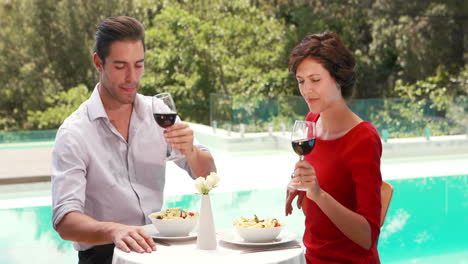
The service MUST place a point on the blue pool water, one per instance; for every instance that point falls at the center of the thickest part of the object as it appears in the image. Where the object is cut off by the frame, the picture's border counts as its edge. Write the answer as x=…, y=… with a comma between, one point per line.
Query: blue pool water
x=427, y=222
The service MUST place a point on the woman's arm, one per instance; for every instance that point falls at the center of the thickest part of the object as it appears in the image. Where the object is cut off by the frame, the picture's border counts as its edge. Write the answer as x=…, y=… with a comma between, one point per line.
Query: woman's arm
x=352, y=224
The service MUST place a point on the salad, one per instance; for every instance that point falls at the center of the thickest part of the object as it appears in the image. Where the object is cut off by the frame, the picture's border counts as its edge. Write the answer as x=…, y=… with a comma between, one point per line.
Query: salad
x=174, y=213
x=257, y=223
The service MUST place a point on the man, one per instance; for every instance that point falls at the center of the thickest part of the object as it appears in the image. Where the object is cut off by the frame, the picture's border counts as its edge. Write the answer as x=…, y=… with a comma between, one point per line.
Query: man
x=108, y=164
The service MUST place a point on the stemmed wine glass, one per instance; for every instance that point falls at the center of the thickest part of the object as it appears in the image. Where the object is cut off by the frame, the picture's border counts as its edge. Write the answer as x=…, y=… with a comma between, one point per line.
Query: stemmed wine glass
x=303, y=140
x=165, y=114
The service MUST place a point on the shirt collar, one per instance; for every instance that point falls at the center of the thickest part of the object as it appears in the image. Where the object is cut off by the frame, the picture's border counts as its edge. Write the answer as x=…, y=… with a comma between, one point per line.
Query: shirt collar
x=96, y=108
x=140, y=106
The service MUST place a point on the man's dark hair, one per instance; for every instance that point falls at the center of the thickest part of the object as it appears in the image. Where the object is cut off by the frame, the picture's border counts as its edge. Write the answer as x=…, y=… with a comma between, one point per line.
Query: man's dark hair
x=114, y=29
x=329, y=50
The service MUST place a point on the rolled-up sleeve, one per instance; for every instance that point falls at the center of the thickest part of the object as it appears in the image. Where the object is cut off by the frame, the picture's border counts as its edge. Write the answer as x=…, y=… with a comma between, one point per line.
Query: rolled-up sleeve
x=183, y=163
x=68, y=176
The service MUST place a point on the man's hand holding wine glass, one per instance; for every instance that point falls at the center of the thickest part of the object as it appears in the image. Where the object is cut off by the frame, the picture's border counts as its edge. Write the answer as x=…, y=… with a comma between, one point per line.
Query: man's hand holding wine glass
x=180, y=136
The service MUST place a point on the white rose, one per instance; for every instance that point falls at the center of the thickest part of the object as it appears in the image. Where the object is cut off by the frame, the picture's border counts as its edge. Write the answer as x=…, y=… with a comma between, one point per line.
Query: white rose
x=204, y=185
x=210, y=182
x=200, y=184
x=215, y=179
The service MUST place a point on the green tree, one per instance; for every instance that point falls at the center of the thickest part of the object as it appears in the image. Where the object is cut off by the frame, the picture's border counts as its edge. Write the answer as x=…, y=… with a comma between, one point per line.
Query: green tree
x=63, y=104
x=349, y=18
x=47, y=48
x=445, y=94
x=191, y=54
x=24, y=74
x=391, y=40
x=235, y=48
x=411, y=39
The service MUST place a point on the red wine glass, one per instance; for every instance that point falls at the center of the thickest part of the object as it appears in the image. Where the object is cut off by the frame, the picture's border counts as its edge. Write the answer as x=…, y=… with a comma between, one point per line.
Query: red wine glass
x=165, y=114
x=303, y=140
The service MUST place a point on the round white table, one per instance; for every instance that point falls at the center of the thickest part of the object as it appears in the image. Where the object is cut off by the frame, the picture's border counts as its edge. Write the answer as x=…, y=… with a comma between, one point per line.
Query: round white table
x=186, y=251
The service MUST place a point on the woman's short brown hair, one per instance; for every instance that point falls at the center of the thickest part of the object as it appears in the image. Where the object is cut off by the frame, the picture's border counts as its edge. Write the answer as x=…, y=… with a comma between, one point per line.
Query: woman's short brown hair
x=329, y=50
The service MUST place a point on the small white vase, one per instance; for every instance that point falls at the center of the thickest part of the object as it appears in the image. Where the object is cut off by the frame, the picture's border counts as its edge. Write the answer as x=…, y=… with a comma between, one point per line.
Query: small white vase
x=206, y=234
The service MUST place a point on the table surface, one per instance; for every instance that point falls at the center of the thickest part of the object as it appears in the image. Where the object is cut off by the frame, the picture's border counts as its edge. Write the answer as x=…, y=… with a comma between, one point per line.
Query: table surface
x=181, y=251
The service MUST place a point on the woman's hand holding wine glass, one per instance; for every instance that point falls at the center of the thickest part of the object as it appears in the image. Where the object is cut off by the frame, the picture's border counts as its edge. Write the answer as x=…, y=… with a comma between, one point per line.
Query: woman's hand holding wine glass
x=305, y=179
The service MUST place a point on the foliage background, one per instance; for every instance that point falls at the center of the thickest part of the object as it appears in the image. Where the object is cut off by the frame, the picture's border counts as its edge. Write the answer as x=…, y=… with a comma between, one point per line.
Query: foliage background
x=414, y=51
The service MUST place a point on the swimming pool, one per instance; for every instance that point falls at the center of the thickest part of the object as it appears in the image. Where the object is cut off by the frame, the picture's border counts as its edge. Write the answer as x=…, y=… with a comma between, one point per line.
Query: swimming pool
x=426, y=222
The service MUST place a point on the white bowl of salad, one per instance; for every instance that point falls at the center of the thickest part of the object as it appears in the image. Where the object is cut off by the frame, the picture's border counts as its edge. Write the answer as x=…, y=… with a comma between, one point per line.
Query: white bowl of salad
x=258, y=230
x=174, y=222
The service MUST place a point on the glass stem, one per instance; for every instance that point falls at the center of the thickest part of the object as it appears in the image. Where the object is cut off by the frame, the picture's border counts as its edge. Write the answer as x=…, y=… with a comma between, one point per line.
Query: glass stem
x=168, y=150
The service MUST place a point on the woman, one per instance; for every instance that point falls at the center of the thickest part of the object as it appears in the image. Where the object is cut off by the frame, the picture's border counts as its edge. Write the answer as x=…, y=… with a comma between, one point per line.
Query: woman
x=342, y=174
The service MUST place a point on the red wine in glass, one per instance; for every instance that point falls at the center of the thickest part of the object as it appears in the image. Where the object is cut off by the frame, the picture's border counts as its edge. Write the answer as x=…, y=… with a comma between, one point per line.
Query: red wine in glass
x=165, y=120
x=303, y=147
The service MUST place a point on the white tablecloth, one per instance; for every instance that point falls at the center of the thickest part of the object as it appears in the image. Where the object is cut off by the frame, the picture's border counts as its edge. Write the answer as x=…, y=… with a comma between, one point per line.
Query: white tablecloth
x=187, y=252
